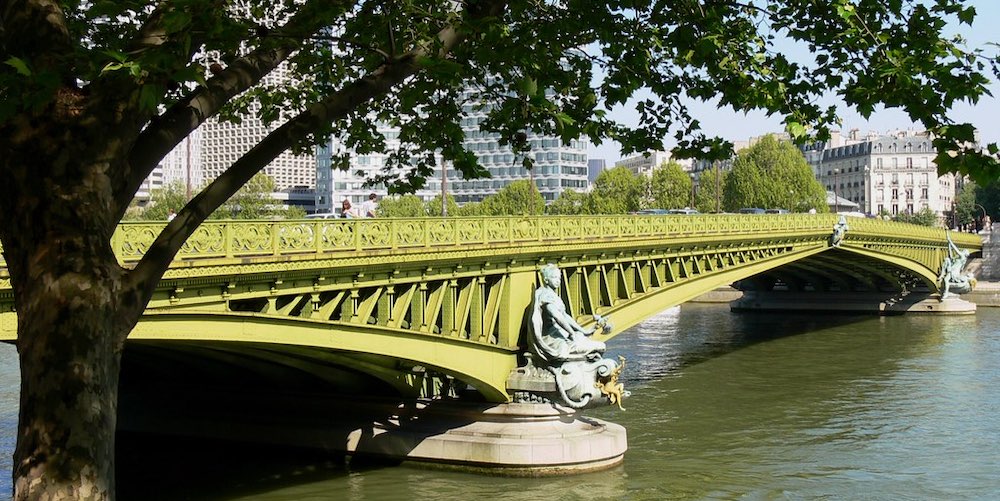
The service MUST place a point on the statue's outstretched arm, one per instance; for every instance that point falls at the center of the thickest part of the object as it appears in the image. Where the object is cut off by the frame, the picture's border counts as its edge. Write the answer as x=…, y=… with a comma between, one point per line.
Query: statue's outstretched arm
x=565, y=322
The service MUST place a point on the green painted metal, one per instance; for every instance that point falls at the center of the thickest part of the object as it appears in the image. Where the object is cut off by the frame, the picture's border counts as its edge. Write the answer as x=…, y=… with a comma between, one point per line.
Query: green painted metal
x=408, y=300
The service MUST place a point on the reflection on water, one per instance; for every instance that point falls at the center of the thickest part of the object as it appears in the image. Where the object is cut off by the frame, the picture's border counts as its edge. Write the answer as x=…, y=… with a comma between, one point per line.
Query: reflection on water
x=724, y=406
x=9, y=382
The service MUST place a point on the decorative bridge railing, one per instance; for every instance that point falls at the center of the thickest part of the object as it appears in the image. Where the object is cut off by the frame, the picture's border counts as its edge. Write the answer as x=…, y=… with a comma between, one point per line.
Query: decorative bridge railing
x=240, y=239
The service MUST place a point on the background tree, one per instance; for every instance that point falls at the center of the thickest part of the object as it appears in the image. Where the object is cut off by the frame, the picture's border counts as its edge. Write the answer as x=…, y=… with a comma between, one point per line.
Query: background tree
x=403, y=206
x=773, y=174
x=708, y=197
x=470, y=209
x=616, y=191
x=252, y=201
x=988, y=197
x=94, y=94
x=924, y=217
x=161, y=200
x=520, y=198
x=966, y=211
x=568, y=202
x=670, y=187
x=433, y=208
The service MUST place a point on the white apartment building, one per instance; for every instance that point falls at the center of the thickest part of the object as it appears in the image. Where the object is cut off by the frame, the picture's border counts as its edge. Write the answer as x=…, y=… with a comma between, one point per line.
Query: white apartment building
x=556, y=167
x=181, y=165
x=894, y=173
x=222, y=143
x=333, y=185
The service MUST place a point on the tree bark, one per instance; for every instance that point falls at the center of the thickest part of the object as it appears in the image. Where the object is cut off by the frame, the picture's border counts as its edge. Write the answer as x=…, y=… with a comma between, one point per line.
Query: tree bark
x=71, y=331
x=69, y=394
x=73, y=314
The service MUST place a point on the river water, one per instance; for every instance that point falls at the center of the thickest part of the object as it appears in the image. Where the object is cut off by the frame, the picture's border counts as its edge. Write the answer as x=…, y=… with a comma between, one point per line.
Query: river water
x=724, y=406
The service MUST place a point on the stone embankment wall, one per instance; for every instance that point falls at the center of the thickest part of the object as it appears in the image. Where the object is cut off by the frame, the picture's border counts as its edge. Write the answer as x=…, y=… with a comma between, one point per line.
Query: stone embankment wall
x=987, y=271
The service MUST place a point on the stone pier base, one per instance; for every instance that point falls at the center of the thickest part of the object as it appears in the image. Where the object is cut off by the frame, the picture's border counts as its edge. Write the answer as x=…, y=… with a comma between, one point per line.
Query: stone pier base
x=504, y=439
x=858, y=302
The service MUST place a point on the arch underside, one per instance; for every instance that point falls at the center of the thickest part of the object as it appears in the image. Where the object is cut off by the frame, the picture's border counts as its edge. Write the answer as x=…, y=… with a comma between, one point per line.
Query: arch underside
x=844, y=270
x=300, y=354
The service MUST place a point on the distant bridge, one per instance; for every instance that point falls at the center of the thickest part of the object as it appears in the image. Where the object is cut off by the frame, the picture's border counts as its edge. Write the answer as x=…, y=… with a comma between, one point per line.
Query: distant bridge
x=409, y=307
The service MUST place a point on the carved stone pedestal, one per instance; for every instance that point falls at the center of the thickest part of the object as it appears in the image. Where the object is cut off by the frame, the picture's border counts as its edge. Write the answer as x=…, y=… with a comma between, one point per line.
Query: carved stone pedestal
x=519, y=439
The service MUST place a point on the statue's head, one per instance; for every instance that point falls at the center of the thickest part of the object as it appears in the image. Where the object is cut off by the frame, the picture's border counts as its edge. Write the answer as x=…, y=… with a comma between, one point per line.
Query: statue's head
x=551, y=276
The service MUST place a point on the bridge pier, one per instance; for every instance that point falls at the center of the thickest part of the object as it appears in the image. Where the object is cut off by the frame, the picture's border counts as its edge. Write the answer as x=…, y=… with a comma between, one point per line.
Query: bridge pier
x=881, y=303
x=513, y=439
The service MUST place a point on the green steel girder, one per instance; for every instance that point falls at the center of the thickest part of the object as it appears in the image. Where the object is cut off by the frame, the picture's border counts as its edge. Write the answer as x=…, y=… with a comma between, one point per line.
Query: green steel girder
x=398, y=299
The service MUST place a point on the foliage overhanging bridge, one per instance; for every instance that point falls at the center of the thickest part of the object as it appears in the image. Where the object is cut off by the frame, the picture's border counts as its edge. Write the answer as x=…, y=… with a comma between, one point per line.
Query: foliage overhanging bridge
x=404, y=306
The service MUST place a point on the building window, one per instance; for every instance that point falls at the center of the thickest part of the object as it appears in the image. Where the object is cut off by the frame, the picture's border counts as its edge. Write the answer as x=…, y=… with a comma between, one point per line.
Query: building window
x=923, y=193
x=895, y=195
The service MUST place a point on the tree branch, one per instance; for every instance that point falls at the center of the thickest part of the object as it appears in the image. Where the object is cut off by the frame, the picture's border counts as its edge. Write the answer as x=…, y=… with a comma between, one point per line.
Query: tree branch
x=165, y=132
x=143, y=278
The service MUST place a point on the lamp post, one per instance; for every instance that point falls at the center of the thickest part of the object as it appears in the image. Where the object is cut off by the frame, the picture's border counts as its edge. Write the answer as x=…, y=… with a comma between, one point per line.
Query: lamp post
x=718, y=187
x=983, y=219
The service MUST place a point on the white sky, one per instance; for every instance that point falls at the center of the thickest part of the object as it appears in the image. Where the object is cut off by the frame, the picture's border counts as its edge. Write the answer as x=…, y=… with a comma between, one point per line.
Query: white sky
x=734, y=126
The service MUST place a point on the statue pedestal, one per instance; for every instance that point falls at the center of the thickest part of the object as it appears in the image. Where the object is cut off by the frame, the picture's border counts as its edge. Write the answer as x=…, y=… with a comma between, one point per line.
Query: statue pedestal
x=518, y=439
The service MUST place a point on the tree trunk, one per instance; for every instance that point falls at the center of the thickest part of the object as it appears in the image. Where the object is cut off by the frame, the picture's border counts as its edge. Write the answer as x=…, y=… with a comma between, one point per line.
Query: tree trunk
x=69, y=394
x=70, y=338
x=72, y=320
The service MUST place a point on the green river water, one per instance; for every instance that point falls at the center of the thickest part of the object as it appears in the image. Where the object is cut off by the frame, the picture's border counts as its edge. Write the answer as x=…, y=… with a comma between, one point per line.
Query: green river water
x=724, y=406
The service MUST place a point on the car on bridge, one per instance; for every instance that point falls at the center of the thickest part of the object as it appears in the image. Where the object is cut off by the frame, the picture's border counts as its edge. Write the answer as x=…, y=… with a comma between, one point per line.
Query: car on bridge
x=751, y=210
x=686, y=211
x=776, y=211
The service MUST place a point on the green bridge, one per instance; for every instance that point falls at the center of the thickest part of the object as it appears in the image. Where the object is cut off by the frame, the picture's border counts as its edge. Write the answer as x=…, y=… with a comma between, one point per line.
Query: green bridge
x=438, y=308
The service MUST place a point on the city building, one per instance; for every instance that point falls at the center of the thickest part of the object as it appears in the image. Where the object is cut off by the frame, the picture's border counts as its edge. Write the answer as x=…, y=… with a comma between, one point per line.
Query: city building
x=335, y=184
x=698, y=166
x=892, y=173
x=223, y=143
x=181, y=166
x=556, y=167
x=644, y=163
x=594, y=168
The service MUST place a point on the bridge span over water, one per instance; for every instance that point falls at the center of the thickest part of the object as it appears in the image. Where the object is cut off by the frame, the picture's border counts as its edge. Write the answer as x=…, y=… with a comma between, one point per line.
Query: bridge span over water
x=402, y=305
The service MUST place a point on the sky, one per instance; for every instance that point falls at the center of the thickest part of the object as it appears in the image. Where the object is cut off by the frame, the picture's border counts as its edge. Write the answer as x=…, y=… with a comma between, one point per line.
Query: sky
x=737, y=126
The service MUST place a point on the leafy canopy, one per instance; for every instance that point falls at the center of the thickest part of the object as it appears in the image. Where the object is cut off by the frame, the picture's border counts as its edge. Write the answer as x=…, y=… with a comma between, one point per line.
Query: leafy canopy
x=617, y=191
x=773, y=174
x=520, y=198
x=670, y=187
x=708, y=196
x=408, y=64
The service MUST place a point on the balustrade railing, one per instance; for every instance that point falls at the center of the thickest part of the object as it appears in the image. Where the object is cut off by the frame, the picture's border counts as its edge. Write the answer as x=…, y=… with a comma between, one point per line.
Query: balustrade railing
x=238, y=239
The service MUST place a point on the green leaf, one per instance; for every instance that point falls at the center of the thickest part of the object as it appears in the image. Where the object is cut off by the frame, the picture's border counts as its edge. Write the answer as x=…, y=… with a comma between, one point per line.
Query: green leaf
x=795, y=129
x=19, y=65
x=528, y=86
x=967, y=15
